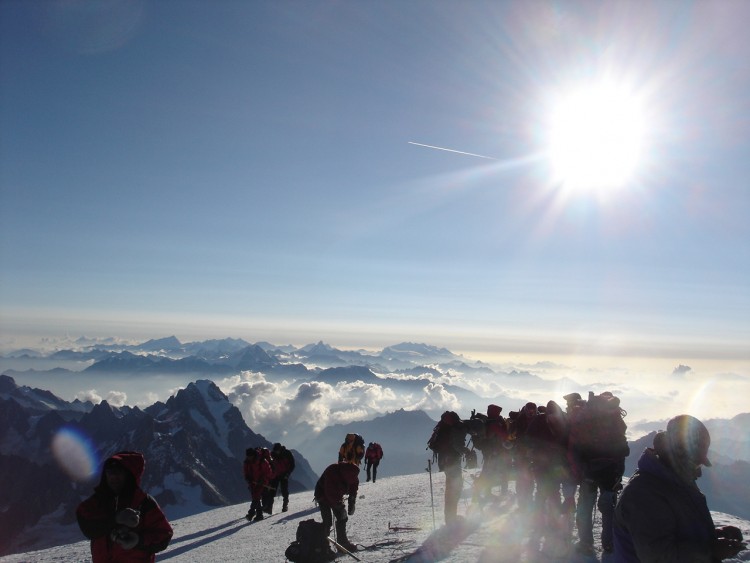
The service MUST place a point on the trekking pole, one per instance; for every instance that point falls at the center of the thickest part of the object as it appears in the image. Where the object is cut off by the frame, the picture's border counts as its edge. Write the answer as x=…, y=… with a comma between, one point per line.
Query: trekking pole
x=432, y=497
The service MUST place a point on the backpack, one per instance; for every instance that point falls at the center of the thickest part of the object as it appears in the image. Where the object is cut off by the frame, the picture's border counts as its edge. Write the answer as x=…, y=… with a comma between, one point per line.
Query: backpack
x=597, y=429
x=311, y=545
x=354, y=451
x=447, y=440
x=440, y=437
x=374, y=452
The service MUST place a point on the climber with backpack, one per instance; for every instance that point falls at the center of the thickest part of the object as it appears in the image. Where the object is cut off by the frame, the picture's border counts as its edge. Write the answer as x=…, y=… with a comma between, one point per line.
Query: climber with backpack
x=519, y=426
x=373, y=455
x=448, y=446
x=492, y=441
x=597, y=449
x=548, y=436
x=353, y=449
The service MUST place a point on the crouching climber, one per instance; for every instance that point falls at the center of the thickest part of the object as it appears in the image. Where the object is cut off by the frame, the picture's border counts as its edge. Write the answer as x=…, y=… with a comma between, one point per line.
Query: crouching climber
x=337, y=480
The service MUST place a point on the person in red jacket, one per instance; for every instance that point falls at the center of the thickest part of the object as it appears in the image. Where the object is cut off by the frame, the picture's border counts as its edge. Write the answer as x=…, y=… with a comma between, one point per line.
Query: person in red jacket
x=123, y=523
x=282, y=464
x=373, y=455
x=257, y=472
x=337, y=480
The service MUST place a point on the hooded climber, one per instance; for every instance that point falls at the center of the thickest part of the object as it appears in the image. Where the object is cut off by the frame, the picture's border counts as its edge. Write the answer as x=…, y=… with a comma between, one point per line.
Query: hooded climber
x=123, y=522
x=337, y=480
x=662, y=515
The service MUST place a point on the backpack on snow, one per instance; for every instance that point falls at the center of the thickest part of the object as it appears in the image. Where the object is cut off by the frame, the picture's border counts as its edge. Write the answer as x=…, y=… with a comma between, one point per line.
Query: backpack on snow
x=597, y=429
x=311, y=545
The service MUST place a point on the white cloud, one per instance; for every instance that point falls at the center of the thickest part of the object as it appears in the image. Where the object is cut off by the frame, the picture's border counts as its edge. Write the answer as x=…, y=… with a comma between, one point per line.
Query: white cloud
x=117, y=398
x=436, y=397
x=89, y=395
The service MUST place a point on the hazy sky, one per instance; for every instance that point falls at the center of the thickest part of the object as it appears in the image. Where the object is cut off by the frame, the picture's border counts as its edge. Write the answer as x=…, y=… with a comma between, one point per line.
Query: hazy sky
x=244, y=169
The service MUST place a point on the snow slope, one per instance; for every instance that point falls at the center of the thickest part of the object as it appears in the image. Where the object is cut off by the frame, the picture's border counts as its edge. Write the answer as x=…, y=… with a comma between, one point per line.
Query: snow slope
x=499, y=533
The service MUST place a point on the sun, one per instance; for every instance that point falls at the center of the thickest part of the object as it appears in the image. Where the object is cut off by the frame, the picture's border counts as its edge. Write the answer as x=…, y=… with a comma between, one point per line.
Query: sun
x=596, y=136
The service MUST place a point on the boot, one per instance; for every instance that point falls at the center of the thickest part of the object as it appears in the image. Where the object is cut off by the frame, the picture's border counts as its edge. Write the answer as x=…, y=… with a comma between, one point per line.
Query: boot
x=258, y=514
x=285, y=506
x=341, y=536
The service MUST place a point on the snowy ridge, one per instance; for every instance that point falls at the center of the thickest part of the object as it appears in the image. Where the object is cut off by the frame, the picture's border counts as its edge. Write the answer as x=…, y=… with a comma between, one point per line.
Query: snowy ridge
x=393, y=522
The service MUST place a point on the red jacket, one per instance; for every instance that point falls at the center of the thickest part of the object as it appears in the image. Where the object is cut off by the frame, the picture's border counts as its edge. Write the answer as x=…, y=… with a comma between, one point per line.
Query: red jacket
x=374, y=453
x=257, y=473
x=337, y=480
x=96, y=517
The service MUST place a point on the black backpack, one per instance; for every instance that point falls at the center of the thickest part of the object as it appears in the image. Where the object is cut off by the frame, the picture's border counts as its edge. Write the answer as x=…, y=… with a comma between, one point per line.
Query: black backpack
x=311, y=545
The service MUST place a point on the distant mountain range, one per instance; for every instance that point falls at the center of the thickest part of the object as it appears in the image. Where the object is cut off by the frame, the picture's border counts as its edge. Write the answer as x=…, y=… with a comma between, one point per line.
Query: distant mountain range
x=217, y=357
x=195, y=440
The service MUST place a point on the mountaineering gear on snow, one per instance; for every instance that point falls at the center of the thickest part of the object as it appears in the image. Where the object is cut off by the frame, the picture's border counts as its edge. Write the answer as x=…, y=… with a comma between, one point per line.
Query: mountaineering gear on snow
x=311, y=545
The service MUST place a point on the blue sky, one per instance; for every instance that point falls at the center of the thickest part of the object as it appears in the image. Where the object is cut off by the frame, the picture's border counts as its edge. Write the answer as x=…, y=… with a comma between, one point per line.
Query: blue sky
x=214, y=169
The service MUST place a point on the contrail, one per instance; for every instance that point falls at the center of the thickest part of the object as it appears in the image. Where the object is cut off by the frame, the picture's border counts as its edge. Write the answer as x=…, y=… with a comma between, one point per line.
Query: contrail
x=451, y=150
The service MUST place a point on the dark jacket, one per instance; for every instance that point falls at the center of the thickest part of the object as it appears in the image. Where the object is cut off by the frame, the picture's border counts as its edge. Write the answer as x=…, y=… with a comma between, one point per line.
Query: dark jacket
x=660, y=518
x=337, y=480
x=96, y=516
x=547, y=442
x=283, y=463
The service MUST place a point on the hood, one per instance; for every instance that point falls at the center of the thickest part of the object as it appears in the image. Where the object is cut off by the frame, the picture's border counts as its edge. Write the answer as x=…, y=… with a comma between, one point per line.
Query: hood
x=493, y=411
x=133, y=462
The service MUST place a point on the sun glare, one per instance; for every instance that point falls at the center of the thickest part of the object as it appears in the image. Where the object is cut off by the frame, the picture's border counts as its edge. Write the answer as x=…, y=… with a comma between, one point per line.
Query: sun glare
x=595, y=137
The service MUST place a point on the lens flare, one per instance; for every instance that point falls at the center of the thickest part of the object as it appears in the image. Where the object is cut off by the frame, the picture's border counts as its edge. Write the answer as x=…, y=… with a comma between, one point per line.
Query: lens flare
x=74, y=453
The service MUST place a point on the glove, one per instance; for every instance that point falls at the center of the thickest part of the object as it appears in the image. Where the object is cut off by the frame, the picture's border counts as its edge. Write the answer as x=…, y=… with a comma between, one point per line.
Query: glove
x=729, y=532
x=726, y=548
x=128, y=517
x=127, y=539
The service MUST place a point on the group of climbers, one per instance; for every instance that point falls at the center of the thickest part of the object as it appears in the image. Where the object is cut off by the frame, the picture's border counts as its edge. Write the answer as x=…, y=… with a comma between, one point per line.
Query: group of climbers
x=552, y=453
x=266, y=471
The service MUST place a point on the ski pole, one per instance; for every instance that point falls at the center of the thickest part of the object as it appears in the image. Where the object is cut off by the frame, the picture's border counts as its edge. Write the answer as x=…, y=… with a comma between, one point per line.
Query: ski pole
x=432, y=497
x=342, y=548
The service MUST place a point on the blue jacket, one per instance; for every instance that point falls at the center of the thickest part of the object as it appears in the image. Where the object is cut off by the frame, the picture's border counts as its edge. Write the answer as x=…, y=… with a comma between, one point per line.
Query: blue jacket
x=659, y=518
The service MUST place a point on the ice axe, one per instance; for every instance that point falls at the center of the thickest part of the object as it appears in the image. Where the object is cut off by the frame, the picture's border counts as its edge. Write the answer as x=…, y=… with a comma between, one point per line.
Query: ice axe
x=342, y=548
x=401, y=528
